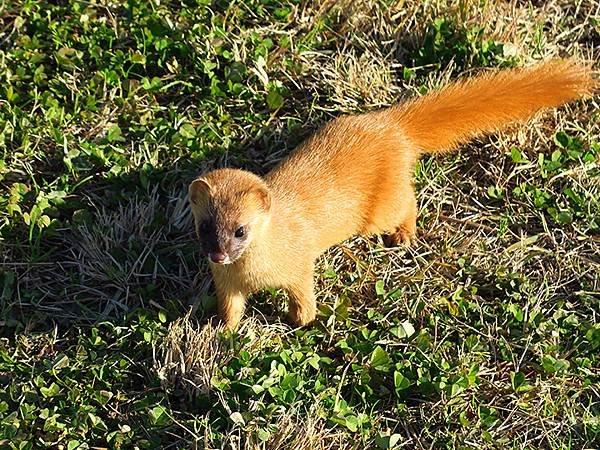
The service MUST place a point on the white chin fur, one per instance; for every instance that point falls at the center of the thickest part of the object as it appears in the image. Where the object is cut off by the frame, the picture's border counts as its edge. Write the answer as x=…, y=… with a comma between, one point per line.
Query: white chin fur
x=227, y=260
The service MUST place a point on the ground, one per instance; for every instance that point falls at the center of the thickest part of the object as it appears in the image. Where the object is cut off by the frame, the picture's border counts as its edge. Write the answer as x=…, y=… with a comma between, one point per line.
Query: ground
x=484, y=334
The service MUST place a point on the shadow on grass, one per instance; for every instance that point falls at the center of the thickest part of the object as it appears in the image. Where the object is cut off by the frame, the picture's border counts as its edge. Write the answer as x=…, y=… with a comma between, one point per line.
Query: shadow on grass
x=119, y=243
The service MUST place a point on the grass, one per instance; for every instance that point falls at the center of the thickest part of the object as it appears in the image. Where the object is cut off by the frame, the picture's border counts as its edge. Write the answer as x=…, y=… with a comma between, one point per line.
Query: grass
x=484, y=334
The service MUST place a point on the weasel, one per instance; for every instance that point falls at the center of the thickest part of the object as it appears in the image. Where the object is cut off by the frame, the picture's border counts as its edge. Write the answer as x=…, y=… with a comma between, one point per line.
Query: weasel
x=353, y=176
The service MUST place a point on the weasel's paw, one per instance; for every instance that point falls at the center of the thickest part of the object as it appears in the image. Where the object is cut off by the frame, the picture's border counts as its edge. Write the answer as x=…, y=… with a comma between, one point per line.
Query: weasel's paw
x=301, y=317
x=400, y=237
x=229, y=323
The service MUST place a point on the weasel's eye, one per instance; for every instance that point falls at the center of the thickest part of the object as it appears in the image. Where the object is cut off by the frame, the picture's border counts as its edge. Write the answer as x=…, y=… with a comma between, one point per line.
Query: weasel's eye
x=205, y=226
x=240, y=232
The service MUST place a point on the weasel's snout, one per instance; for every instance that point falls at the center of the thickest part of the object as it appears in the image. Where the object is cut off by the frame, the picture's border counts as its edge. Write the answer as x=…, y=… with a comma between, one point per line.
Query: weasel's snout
x=219, y=257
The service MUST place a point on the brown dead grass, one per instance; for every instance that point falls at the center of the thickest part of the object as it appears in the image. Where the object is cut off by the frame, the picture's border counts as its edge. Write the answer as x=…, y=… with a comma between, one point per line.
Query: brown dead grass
x=190, y=357
x=293, y=429
x=106, y=265
x=192, y=353
x=363, y=69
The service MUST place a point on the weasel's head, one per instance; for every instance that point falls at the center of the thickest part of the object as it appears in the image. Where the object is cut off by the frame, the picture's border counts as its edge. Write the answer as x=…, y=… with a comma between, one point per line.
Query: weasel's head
x=230, y=207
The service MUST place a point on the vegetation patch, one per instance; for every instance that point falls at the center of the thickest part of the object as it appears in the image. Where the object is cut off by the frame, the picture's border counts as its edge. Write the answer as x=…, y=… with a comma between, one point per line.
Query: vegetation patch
x=484, y=334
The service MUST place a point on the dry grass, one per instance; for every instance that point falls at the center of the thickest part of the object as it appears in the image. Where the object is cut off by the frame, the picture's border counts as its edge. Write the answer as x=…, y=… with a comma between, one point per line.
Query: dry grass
x=188, y=362
x=115, y=261
x=192, y=354
x=363, y=70
x=290, y=429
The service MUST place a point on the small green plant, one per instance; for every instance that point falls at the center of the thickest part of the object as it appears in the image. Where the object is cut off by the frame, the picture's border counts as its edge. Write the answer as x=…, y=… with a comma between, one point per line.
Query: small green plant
x=446, y=41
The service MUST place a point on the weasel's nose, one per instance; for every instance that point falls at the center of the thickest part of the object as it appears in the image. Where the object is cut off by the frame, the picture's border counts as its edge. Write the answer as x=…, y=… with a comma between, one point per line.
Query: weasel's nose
x=217, y=257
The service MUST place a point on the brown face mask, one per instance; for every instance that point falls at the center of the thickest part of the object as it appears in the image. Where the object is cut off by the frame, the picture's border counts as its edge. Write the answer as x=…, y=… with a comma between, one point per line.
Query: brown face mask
x=226, y=214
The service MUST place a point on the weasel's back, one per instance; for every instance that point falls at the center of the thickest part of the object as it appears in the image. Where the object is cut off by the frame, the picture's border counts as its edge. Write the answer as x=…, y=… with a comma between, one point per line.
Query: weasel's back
x=342, y=174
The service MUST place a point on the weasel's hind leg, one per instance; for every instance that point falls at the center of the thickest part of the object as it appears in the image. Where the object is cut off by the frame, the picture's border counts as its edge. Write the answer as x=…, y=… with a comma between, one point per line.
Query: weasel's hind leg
x=406, y=229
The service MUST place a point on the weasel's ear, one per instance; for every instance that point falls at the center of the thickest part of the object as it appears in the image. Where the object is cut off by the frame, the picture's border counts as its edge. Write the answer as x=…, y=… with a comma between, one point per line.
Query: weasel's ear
x=263, y=196
x=257, y=197
x=198, y=190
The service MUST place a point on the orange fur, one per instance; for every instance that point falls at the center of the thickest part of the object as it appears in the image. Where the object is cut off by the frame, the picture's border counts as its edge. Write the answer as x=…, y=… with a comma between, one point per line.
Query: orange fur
x=353, y=176
x=489, y=102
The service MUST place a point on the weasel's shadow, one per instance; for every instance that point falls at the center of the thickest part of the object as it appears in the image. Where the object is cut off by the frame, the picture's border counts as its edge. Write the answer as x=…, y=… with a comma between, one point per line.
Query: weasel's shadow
x=122, y=243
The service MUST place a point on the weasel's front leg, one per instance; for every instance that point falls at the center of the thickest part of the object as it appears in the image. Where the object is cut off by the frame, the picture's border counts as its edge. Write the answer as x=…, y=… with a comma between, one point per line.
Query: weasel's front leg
x=303, y=306
x=231, y=304
x=231, y=309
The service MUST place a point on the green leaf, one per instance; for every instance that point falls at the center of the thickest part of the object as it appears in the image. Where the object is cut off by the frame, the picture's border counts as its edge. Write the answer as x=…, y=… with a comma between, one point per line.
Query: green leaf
x=138, y=58
x=516, y=155
x=462, y=418
x=65, y=57
x=159, y=416
x=519, y=382
x=573, y=196
x=495, y=192
x=554, y=365
x=405, y=330
x=187, y=130
x=564, y=217
x=314, y=361
x=52, y=391
x=379, y=288
x=264, y=435
x=10, y=94
x=401, y=382
x=43, y=221
x=385, y=441
x=394, y=439
x=407, y=73
x=455, y=390
x=380, y=360
x=516, y=311
x=562, y=139
x=114, y=134
x=72, y=445
x=556, y=156
x=352, y=423
x=330, y=273
x=409, y=330
x=13, y=208
x=274, y=99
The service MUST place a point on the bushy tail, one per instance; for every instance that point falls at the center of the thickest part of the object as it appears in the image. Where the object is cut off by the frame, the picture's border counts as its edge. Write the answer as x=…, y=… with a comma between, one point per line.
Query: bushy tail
x=442, y=120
